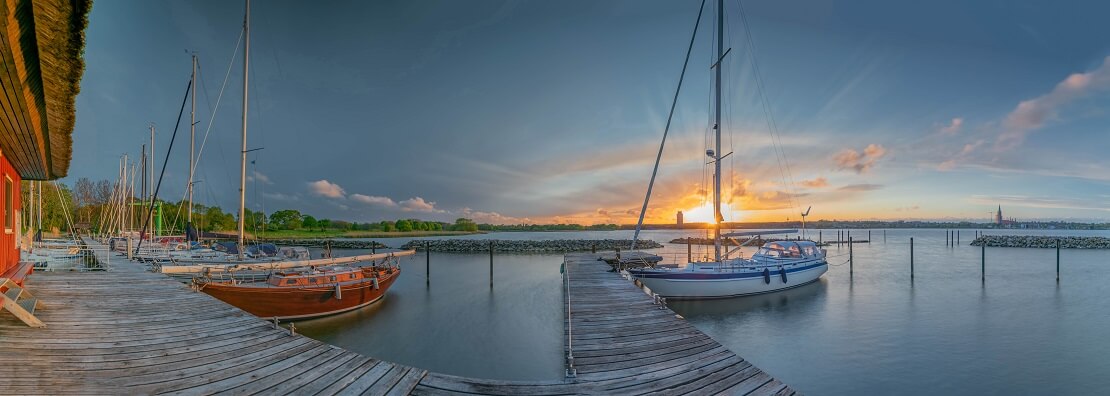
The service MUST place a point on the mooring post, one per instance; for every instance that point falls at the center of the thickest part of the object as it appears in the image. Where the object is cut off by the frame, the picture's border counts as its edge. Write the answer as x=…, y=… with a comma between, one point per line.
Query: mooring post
x=957, y=237
x=851, y=258
x=1057, y=260
x=868, y=236
x=983, y=261
x=130, y=251
x=689, y=251
x=490, y=264
x=427, y=264
x=884, y=236
x=820, y=237
x=593, y=248
x=373, y=247
x=946, y=236
x=911, y=258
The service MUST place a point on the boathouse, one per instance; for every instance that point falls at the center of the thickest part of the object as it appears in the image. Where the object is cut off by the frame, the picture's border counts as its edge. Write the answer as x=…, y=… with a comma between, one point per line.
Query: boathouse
x=41, y=61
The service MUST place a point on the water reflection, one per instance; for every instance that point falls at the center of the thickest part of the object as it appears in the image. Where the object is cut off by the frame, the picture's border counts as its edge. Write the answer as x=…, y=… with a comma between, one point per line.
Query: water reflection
x=807, y=294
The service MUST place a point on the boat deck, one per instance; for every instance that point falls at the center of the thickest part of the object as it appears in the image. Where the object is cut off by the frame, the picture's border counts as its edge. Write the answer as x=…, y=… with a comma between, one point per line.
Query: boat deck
x=135, y=332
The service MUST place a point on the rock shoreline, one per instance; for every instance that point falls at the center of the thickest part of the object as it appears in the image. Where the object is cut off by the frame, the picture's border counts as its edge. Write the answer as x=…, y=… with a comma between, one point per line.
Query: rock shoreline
x=1043, y=242
x=526, y=246
x=335, y=243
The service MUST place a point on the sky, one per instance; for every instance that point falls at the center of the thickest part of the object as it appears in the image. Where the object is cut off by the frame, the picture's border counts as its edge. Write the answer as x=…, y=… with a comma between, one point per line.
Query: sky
x=552, y=112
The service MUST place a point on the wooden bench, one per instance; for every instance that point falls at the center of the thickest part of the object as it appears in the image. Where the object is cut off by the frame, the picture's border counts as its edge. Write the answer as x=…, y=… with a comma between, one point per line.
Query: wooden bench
x=15, y=298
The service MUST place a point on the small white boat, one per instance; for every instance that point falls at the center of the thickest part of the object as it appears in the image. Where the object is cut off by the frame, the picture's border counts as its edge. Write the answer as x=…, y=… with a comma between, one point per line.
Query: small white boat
x=776, y=266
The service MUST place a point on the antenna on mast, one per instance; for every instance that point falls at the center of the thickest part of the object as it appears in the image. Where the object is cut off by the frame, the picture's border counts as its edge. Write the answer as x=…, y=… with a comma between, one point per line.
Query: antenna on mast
x=804, y=214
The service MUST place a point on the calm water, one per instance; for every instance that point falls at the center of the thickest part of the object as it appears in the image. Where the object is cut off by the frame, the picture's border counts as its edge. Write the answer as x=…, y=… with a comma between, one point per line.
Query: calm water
x=875, y=331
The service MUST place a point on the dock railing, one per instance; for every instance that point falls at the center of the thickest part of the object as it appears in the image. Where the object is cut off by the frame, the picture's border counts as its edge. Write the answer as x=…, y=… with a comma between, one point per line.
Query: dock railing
x=571, y=371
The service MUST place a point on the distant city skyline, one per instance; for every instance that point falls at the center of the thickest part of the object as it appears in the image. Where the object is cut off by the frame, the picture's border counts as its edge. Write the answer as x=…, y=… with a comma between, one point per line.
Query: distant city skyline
x=551, y=112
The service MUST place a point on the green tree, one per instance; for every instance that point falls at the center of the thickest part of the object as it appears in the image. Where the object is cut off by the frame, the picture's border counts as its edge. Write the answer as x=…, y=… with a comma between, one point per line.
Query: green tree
x=323, y=224
x=309, y=222
x=404, y=225
x=463, y=224
x=287, y=219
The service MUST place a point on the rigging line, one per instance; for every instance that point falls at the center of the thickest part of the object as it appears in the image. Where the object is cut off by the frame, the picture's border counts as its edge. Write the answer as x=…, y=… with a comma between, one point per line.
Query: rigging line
x=154, y=197
x=65, y=211
x=667, y=128
x=212, y=116
x=776, y=141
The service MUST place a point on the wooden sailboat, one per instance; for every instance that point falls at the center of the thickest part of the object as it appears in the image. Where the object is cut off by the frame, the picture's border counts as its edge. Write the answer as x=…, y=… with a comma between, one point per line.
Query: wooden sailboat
x=292, y=289
x=305, y=293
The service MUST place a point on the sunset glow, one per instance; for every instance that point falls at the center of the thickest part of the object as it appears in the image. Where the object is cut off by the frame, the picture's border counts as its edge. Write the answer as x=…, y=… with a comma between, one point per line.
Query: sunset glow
x=704, y=213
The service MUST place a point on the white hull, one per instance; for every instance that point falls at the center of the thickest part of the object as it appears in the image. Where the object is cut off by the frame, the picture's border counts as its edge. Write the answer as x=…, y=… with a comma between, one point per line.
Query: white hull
x=721, y=288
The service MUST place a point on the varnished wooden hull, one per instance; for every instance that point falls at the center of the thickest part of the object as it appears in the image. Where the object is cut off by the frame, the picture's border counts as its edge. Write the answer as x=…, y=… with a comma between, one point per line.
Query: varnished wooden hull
x=301, y=302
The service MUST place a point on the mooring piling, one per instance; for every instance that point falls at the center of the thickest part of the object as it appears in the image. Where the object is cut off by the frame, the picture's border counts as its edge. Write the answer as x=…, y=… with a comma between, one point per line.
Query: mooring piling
x=983, y=261
x=911, y=258
x=851, y=258
x=373, y=247
x=490, y=264
x=689, y=251
x=427, y=264
x=1057, y=261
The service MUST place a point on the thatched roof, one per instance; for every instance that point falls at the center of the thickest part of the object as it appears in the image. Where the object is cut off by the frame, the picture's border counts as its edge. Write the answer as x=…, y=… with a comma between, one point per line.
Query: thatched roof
x=42, y=46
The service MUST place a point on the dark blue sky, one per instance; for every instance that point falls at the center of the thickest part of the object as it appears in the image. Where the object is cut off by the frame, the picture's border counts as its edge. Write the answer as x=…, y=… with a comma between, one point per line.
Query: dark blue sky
x=551, y=111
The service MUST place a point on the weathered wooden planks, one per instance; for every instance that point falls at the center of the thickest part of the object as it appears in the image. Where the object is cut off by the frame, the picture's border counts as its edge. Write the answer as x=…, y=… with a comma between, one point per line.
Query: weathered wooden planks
x=136, y=332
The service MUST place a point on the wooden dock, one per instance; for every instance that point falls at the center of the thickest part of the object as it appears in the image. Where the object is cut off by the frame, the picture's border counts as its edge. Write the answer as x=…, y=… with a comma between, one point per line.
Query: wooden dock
x=128, y=331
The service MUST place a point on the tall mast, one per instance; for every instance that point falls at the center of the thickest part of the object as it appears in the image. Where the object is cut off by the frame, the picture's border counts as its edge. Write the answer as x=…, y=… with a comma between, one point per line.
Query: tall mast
x=192, y=140
x=717, y=218
x=243, y=152
x=150, y=188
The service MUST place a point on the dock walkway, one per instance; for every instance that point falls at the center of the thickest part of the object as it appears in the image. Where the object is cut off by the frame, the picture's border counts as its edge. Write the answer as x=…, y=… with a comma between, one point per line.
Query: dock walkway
x=128, y=331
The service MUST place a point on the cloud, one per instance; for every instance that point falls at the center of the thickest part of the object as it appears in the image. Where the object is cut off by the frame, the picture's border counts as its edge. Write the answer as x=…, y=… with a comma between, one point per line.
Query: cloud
x=1042, y=202
x=325, y=188
x=907, y=208
x=280, y=197
x=1032, y=114
x=492, y=217
x=373, y=200
x=815, y=183
x=954, y=126
x=259, y=176
x=860, y=187
x=857, y=161
x=417, y=204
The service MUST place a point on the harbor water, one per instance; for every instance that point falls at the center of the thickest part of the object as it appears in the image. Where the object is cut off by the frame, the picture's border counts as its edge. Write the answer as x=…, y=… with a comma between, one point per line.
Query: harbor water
x=864, y=328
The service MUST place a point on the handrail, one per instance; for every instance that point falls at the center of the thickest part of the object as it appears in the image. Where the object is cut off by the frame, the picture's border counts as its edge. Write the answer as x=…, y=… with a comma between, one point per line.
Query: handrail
x=571, y=371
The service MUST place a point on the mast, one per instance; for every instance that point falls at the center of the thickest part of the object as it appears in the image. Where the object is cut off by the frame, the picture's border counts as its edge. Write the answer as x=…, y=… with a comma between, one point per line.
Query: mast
x=717, y=218
x=192, y=142
x=243, y=152
x=150, y=188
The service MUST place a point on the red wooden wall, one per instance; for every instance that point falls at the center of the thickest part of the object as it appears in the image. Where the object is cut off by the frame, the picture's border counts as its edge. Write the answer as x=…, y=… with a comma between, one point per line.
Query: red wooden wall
x=9, y=255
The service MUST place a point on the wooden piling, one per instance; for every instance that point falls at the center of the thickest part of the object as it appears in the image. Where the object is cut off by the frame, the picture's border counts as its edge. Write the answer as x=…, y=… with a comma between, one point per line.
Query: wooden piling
x=884, y=236
x=868, y=236
x=957, y=237
x=820, y=237
x=689, y=251
x=911, y=258
x=851, y=258
x=427, y=264
x=373, y=247
x=1057, y=261
x=983, y=261
x=490, y=264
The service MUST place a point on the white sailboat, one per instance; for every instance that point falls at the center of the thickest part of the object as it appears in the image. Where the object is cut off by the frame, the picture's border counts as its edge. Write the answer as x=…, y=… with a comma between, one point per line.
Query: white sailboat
x=776, y=266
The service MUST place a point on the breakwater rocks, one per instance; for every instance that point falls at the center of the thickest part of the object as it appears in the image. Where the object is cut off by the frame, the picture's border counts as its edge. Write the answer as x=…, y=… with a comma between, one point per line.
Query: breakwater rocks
x=524, y=246
x=335, y=243
x=757, y=242
x=1027, y=241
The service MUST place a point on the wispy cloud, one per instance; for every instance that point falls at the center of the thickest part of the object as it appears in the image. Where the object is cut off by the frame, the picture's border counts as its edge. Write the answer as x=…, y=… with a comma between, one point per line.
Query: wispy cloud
x=1032, y=114
x=259, y=176
x=860, y=187
x=857, y=161
x=1043, y=202
x=815, y=183
x=953, y=126
x=325, y=188
x=417, y=204
x=373, y=200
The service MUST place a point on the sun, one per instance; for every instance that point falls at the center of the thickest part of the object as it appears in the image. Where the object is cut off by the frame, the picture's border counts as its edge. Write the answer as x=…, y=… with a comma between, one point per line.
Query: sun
x=704, y=213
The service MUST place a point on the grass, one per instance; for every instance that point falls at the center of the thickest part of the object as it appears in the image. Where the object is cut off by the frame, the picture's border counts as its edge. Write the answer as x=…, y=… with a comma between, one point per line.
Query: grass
x=310, y=234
